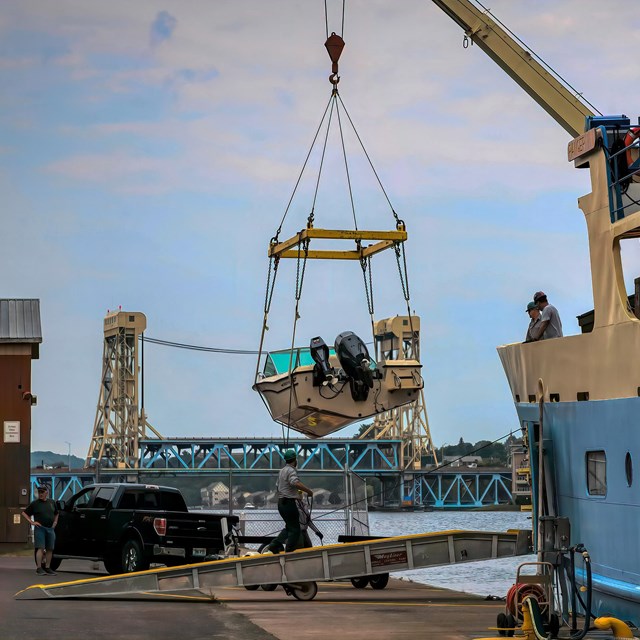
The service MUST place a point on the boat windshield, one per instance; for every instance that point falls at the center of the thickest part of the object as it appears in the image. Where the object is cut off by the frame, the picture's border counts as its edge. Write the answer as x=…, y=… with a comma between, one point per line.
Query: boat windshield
x=277, y=362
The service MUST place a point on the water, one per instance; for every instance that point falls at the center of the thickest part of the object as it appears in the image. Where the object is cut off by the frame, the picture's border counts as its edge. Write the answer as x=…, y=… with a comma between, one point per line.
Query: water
x=490, y=577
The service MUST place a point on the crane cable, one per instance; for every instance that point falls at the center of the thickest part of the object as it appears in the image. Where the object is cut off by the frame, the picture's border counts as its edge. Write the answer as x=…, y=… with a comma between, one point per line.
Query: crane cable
x=195, y=347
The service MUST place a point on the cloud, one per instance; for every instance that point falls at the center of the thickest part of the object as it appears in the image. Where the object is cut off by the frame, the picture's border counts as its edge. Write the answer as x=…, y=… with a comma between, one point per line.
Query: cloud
x=153, y=177
x=162, y=28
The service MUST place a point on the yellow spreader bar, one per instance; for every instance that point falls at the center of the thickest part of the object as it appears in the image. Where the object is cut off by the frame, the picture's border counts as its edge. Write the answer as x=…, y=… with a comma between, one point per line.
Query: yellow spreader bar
x=291, y=248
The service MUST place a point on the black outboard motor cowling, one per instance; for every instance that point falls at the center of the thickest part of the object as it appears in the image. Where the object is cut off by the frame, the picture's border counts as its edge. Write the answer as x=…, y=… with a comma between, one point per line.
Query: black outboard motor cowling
x=323, y=372
x=355, y=360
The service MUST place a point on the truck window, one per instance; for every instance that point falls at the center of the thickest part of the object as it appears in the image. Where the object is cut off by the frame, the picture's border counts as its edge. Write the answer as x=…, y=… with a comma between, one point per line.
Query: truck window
x=147, y=500
x=81, y=501
x=173, y=501
x=103, y=497
x=128, y=500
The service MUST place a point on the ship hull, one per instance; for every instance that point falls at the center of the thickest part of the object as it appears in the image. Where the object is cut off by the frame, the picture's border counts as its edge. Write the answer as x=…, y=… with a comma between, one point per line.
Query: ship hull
x=607, y=525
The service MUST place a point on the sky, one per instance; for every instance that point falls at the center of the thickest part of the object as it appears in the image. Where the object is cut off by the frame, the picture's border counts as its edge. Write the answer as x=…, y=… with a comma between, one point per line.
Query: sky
x=148, y=151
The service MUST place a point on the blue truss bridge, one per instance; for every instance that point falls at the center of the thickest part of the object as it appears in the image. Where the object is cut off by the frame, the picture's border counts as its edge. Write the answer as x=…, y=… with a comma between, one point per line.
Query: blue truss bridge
x=232, y=459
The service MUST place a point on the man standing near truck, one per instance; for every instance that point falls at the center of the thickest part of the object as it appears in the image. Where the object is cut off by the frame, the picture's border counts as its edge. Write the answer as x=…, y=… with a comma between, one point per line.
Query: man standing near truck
x=43, y=515
x=287, y=489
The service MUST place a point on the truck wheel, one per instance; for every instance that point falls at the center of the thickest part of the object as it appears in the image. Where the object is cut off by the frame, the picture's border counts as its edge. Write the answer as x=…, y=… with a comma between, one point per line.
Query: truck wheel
x=251, y=587
x=132, y=559
x=360, y=583
x=268, y=587
x=379, y=581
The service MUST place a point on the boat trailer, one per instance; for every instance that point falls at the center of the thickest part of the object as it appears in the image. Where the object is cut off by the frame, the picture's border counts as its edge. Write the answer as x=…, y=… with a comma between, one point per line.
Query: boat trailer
x=298, y=571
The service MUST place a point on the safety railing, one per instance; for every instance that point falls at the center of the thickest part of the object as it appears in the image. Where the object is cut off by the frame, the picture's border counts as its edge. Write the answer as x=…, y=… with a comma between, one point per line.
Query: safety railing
x=624, y=180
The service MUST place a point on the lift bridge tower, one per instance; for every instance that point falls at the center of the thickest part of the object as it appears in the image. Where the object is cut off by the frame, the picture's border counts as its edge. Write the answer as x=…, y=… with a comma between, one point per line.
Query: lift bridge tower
x=398, y=338
x=120, y=416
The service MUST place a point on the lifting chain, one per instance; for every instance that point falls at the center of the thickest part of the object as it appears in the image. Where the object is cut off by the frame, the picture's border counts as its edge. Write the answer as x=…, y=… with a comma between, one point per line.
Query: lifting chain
x=273, y=269
x=365, y=263
x=402, y=269
x=302, y=247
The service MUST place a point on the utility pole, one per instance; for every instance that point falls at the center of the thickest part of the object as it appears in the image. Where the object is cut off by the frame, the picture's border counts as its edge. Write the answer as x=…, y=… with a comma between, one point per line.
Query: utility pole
x=68, y=455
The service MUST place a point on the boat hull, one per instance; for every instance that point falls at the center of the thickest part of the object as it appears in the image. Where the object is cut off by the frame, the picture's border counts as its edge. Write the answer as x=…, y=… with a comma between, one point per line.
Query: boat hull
x=318, y=411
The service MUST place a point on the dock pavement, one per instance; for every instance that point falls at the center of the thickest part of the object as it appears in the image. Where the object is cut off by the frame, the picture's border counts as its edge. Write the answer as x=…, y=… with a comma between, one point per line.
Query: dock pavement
x=403, y=610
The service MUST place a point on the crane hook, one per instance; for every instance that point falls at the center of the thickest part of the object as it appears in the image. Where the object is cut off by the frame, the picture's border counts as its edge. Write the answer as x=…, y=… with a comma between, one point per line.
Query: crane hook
x=334, y=46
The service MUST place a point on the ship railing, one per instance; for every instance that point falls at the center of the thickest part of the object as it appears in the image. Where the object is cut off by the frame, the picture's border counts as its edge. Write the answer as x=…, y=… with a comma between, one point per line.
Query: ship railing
x=624, y=181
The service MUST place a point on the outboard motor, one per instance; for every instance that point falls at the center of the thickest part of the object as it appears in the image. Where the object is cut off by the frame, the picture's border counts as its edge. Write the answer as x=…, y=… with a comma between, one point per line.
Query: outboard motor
x=355, y=360
x=323, y=373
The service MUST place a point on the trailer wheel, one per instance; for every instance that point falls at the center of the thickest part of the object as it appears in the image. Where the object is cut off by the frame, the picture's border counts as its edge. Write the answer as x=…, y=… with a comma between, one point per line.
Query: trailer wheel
x=360, y=583
x=379, y=581
x=501, y=623
x=553, y=627
x=511, y=625
x=268, y=587
x=251, y=587
x=304, y=590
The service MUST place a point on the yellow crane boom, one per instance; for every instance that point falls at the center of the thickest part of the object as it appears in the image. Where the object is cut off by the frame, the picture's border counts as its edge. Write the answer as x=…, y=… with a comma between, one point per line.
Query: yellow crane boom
x=564, y=106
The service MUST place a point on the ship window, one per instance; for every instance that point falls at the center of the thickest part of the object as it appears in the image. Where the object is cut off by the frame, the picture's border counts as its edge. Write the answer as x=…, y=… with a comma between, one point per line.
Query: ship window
x=596, y=473
x=628, y=468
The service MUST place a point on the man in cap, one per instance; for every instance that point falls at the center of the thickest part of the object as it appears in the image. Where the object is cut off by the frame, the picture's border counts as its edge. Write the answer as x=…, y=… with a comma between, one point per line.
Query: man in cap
x=287, y=489
x=534, y=319
x=42, y=513
x=549, y=325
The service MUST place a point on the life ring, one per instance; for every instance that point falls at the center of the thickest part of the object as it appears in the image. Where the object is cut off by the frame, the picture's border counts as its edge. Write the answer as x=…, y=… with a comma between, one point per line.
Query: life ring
x=633, y=151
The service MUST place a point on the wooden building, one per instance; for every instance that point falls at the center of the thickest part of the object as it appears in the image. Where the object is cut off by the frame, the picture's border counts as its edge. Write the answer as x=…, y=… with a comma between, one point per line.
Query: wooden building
x=20, y=338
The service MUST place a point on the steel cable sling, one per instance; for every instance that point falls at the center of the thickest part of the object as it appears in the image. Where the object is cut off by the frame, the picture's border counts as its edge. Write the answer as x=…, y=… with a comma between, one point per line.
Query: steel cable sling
x=301, y=241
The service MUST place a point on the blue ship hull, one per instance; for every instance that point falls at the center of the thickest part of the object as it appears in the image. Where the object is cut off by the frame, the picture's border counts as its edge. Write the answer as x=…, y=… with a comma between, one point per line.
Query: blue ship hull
x=608, y=525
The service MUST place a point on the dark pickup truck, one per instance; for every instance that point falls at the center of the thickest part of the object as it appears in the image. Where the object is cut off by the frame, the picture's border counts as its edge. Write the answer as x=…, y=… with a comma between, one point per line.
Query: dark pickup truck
x=130, y=526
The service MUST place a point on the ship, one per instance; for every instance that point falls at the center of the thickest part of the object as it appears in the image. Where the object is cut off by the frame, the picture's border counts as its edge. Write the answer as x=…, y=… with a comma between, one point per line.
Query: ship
x=577, y=397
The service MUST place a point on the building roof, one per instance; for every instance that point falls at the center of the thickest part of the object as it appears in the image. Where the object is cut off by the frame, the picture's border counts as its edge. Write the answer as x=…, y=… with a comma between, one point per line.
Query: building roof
x=20, y=320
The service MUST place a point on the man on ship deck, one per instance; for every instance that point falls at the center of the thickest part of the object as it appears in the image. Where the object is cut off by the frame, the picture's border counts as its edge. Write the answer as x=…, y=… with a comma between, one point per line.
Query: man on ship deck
x=534, y=317
x=550, y=325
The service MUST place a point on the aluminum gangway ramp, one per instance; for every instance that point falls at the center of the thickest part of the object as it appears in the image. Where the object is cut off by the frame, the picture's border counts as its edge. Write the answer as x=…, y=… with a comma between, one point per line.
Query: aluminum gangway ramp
x=297, y=571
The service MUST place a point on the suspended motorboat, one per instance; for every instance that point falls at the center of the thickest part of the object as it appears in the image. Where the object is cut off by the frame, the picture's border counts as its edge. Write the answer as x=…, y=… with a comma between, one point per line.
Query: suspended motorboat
x=319, y=390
